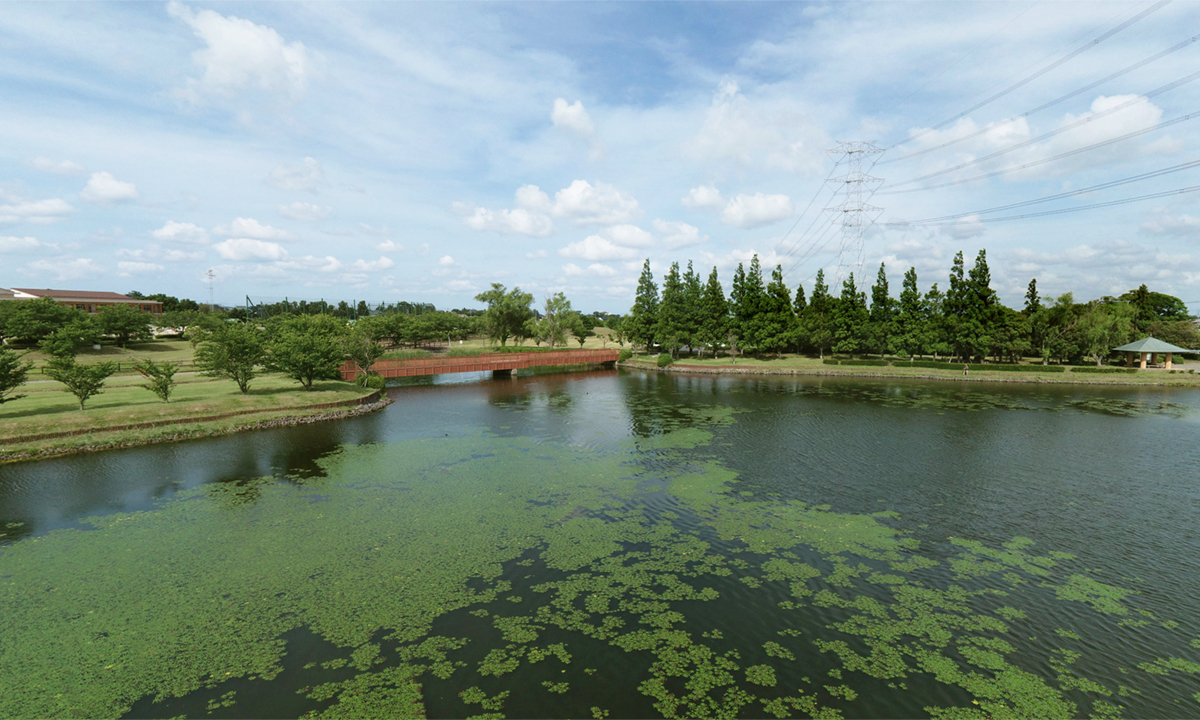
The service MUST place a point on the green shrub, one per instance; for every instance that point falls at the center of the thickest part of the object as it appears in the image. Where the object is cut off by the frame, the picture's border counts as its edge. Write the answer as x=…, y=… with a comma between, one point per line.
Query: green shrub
x=1105, y=370
x=665, y=359
x=1022, y=368
x=930, y=365
x=374, y=382
x=624, y=355
x=866, y=363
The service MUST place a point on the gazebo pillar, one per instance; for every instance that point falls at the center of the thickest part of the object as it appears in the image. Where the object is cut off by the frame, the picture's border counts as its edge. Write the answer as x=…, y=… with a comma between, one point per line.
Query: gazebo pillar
x=1168, y=363
x=1142, y=362
x=1128, y=359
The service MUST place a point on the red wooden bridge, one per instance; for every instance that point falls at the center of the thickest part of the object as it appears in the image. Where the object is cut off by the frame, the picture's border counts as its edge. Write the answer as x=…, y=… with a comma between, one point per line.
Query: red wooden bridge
x=498, y=363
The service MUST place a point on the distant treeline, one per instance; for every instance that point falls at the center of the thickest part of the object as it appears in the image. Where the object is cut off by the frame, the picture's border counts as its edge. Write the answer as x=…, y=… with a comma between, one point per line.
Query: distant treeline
x=966, y=320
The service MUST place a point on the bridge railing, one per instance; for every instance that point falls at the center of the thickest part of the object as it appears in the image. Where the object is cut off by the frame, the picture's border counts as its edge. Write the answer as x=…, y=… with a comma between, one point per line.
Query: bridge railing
x=432, y=365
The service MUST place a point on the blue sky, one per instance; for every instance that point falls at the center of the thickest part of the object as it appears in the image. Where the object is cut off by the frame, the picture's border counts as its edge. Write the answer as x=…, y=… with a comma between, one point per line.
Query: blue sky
x=395, y=151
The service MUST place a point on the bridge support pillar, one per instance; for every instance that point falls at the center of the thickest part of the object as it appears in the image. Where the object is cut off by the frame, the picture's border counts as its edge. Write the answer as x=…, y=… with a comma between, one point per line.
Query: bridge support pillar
x=506, y=373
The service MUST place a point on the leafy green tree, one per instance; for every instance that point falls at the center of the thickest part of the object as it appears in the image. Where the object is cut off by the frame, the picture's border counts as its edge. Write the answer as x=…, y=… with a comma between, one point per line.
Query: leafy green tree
x=818, y=320
x=1152, y=306
x=799, y=335
x=28, y=321
x=714, y=314
x=775, y=316
x=849, y=318
x=234, y=351
x=643, y=316
x=307, y=348
x=1103, y=326
x=82, y=381
x=557, y=319
x=507, y=312
x=160, y=377
x=936, y=325
x=124, y=322
x=361, y=343
x=1010, y=334
x=910, y=322
x=978, y=310
x=66, y=341
x=879, y=328
x=954, y=306
x=581, y=329
x=12, y=374
x=693, y=292
x=1033, y=303
x=672, y=328
x=363, y=310
x=747, y=311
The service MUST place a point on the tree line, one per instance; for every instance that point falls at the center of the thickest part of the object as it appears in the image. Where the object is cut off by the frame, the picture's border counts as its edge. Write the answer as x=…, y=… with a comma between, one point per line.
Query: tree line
x=965, y=321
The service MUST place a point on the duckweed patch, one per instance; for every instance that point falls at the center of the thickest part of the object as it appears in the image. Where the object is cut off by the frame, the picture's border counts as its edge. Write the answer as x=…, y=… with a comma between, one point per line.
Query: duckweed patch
x=409, y=533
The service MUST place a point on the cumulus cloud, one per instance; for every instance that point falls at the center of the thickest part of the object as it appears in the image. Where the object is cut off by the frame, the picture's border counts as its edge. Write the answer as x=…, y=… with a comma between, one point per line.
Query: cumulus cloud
x=750, y=134
x=305, y=212
x=581, y=202
x=242, y=249
x=389, y=246
x=573, y=270
x=678, y=234
x=447, y=261
x=518, y=221
x=311, y=263
x=128, y=268
x=155, y=252
x=38, y=212
x=104, y=189
x=597, y=248
x=243, y=58
x=179, y=232
x=705, y=196
x=66, y=268
x=1165, y=223
x=572, y=117
x=383, y=263
x=749, y=211
x=251, y=228
x=381, y=231
x=57, y=167
x=599, y=204
x=308, y=175
x=18, y=244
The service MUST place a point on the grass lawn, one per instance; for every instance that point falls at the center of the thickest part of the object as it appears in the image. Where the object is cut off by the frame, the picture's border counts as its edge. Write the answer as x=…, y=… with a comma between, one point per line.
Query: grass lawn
x=46, y=408
x=803, y=363
x=179, y=351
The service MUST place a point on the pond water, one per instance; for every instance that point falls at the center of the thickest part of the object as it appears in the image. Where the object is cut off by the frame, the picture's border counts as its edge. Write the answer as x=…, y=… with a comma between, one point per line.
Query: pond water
x=624, y=544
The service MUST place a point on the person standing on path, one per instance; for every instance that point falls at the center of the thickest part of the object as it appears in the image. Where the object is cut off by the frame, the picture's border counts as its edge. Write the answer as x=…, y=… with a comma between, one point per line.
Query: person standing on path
x=965, y=369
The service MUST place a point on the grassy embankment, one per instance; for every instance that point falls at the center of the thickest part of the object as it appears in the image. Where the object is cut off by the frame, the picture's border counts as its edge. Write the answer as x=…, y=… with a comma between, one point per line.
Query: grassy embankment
x=803, y=365
x=46, y=408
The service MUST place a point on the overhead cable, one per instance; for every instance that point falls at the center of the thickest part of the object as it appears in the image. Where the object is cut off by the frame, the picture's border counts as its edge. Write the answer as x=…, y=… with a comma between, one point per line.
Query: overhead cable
x=1051, y=198
x=1035, y=163
x=1060, y=211
x=809, y=206
x=1124, y=71
x=1058, y=131
x=1035, y=75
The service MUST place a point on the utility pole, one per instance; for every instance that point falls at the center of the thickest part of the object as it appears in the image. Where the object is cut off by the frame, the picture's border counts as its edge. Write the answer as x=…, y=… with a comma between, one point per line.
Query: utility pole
x=854, y=211
x=212, y=307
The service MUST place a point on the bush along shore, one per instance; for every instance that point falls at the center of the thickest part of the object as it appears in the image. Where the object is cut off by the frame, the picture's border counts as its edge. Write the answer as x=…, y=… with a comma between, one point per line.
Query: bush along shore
x=186, y=429
x=927, y=370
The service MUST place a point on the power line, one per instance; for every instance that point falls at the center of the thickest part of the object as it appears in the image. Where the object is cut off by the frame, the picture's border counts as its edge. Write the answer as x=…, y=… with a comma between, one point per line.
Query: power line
x=808, y=230
x=1058, y=131
x=1034, y=163
x=1059, y=196
x=1055, y=101
x=1060, y=211
x=809, y=206
x=1057, y=63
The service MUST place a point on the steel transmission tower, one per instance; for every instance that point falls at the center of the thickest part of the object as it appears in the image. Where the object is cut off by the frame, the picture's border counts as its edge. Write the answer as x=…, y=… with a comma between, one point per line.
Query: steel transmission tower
x=854, y=212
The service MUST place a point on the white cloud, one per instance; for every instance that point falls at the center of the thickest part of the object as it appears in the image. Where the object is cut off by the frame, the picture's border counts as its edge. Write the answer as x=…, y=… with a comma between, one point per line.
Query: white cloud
x=1164, y=223
x=138, y=268
x=18, y=244
x=537, y=254
x=310, y=263
x=240, y=249
x=306, y=176
x=181, y=233
x=749, y=211
x=306, y=212
x=447, y=261
x=628, y=236
x=39, y=212
x=573, y=270
x=601, y=204
x=381, y=231
x=57, y=167
x=389, y=246
x=251, y=228
x=679, y=234
x=383, y=263
x=104, y=189
x=572, y=117
x=243, y=58
x=155, y=252
x=509, y=222
x=67, y=268
x=705, y=196
x=597, y=248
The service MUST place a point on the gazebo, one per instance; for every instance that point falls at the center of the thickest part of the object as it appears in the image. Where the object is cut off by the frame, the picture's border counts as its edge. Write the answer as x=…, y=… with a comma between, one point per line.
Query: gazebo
x=1152, y=347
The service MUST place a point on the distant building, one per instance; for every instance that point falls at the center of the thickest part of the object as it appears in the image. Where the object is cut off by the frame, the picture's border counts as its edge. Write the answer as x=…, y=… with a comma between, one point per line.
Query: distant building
x=86, y=300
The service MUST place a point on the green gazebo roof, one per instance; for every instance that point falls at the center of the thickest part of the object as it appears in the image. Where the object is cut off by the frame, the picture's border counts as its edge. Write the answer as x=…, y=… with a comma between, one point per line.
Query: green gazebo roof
x=1152, y=345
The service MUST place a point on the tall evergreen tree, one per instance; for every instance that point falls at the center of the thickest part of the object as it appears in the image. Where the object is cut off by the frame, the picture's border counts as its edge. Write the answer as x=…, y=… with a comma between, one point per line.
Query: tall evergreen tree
x=849, y=318
x=799, y=336
x=935, y=324
x=737, y=296
x=880, y=331
x=954, y=306
x=692, y=292
x=672, y=312
x=908, y=318
x=979, y=315
x=775, y=316
x=749, y=310
x=643, y=316
x=714, y=314
x=818, y=320
x=1033, y=303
